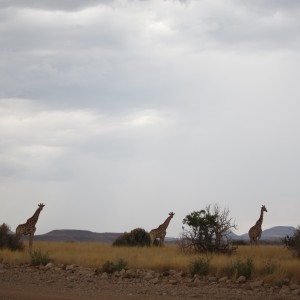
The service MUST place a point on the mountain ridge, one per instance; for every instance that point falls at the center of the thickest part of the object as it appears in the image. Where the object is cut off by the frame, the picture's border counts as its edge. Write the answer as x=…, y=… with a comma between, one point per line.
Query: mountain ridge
x=76, y=235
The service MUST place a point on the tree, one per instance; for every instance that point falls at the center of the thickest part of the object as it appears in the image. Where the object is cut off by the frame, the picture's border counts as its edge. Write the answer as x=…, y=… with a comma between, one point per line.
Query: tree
x=293, y=242
x=208, y=230
x=9, y=240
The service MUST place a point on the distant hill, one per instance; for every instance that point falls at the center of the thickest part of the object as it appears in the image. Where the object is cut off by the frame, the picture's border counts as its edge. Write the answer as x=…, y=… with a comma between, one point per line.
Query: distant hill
x=272, y=234
x=67, y=235
x=277, y=232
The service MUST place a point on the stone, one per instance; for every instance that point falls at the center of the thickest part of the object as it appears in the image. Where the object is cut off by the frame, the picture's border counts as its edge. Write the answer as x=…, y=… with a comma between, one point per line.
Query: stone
x=284, y=290
x=257, y=284
x=173, y=281
x=212, y=279
x=104, y=275
x=149, y=275
x=155, y=281
x=223, y=279
x=296, y=292
x=241, y=279
x=71, y=267
x=294, y=286
x=49, y=266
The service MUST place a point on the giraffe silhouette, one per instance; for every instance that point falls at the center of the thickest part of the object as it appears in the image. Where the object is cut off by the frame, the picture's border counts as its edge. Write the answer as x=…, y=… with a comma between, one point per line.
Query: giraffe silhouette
x=29, y=226
x=255, y=231
x=160, y=232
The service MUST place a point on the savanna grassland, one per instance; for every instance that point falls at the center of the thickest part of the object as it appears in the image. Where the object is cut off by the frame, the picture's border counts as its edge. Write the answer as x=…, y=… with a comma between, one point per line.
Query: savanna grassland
x=270, y=263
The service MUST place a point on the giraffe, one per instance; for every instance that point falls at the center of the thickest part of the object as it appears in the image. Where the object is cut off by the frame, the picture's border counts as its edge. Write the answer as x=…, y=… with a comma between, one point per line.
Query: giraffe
x=29, y=226
x=160, y=232
x=255, y=231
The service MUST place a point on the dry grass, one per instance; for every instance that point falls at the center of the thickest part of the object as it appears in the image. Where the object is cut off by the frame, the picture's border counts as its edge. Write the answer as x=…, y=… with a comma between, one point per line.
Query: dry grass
x=270, y=262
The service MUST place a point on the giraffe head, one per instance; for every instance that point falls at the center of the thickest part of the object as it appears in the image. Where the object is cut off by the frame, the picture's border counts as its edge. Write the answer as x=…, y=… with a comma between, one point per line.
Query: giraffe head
x=41, y=205
x=171, y=214
x=263, y=208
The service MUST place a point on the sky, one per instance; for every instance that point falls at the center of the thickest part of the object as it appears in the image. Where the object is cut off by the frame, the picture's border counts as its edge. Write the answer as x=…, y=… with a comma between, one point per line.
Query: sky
x=115, y=113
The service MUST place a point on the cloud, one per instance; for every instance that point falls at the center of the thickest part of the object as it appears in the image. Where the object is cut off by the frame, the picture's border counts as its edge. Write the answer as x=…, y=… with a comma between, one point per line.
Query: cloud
x=35, y=137
x=107, y=54
x=140, y=104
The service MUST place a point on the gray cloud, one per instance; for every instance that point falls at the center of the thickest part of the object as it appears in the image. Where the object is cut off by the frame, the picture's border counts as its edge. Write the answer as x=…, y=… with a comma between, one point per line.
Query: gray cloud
x=121, y=108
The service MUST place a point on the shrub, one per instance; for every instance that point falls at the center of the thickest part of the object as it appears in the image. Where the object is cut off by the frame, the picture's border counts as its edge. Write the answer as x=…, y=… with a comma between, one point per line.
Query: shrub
x=120, y=265
x=137, y=237
x=240, y=268
x=200, y=266
x=9, y=240
x=39, y=257
x=293, y=242
x=270, y=267
x=110, y=267
x=207, y=230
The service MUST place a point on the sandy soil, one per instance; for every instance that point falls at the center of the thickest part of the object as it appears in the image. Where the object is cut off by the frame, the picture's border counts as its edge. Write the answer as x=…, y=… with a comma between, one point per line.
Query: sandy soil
x=27, y=282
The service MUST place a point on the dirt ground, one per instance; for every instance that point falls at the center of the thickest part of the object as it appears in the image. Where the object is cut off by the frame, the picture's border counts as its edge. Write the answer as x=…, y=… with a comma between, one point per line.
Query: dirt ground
x=27, y=282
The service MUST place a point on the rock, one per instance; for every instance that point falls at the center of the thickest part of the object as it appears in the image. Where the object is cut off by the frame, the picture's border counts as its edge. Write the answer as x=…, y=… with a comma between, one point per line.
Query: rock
x=131, y=273
x=155, y=281
x=241, y=279
x=71, y=267
x=284, y=290
x=294, y=286
x=173, y=281
x=172, y=272
x=296, y=292
x=104, y=276
x=149, y=275
x=49, y=266
x=212, y=279
x=256, y=284
x=223, y=279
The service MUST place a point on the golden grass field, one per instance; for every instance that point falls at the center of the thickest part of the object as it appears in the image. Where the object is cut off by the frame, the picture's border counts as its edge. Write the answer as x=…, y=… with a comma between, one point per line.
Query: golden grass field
x=270, y=262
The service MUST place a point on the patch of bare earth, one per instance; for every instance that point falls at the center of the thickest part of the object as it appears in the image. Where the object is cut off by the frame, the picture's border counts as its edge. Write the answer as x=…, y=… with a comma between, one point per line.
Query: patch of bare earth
x=72, y=282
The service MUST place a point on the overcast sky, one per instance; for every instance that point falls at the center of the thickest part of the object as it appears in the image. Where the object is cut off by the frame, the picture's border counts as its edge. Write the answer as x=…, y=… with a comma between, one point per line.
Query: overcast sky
x=114, y=113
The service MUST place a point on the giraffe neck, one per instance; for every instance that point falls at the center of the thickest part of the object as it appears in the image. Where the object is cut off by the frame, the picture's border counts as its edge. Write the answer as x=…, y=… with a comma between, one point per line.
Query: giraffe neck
x=35, y=217
x=260, y=220
x=165, y=224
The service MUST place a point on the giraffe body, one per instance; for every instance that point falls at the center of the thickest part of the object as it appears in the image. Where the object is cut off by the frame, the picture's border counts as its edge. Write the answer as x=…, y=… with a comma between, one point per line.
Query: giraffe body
x=255, y=231
x=29, y=227
x=161, y=231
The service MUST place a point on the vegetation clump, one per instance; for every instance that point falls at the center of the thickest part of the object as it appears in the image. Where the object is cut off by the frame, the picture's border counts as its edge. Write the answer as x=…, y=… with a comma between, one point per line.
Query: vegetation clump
x=293, y=242
x=110, y=267
x=240, y=267
x=136, y=238
x=200, y=266
x=39, y=257
x=208, y=230
x=9, y=240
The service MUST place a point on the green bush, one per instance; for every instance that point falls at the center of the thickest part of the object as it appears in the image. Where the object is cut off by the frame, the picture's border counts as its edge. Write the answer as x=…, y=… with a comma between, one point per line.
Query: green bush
x=136, y=238
x=240, y=268
x=39, y=257
x=270, y=267
x=110, y=267
x=293, y=242
x=200, y=266
x=9, y=240
x=120, y=265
